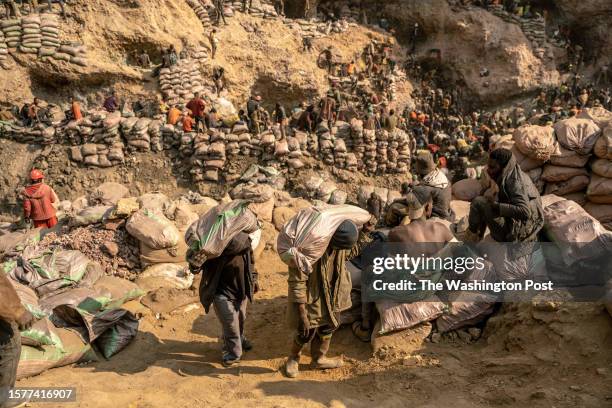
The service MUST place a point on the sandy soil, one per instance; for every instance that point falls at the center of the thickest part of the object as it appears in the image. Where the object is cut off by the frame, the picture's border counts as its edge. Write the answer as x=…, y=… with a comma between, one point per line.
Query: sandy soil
x=534, y=356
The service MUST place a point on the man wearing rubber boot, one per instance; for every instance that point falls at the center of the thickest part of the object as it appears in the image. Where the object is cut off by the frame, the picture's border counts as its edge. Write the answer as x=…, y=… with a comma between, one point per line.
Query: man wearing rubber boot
x=316, y=299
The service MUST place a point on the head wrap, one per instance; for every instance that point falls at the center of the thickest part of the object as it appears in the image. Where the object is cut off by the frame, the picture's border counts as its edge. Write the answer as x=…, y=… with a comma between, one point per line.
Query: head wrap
x=346, y=236
x=501, y=156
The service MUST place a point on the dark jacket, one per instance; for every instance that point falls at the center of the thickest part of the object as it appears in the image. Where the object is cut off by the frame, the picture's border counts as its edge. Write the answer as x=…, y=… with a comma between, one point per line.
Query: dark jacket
x=326, y=291
x=442, y=198
x=519, y=204
x=239, y=252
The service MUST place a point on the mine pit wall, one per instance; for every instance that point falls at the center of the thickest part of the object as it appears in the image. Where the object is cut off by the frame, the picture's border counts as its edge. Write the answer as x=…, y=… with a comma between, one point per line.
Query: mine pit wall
x=470, y=39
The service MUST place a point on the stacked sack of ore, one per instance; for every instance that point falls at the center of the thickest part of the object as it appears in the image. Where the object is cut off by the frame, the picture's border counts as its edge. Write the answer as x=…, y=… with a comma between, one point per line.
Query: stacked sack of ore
x=91, y=154
x=155, y=135
x=326, y=144
x=328, y=192
x=599, y=191
x=294, y=160
x=244, y=139
x=267, y=144
x=31, y=38
x=200, y=54
x=12, y=32
x=215, y=160
x=566, y=172
x=171, y=138
x=382, y=142
x=256, y=8
x=532, y=146
x=39, y=134
x=72, y=52
x=401, y=145
x=201, y=11
x=281, y=151
x=136, y=134
x=228, y=10
x=369, y=155
x=186, y=146
x=201, y=143
x=340, y=153
x=357, y=142
x=180, y=82
x=3, y=50
x=91, y=129
x=232, y=145
x=49, y=28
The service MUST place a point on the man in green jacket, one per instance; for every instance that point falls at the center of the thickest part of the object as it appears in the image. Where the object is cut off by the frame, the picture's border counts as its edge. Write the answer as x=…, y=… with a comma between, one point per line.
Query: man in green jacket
x=316, y=299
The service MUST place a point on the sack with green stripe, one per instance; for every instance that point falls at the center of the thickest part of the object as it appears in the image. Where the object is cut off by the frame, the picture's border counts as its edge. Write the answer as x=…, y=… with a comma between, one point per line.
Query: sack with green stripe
x=28, y=299
x=305, y=237
x=42, y=333
x=71, y=349
x=152, y=228
x=208, y=237
x=58, y=269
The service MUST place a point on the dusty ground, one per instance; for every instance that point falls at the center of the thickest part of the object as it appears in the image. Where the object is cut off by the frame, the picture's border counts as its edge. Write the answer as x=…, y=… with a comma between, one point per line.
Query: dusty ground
x=539, y=356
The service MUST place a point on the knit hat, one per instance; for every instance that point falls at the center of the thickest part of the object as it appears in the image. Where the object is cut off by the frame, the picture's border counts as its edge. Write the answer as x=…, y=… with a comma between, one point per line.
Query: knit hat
x=417, y=199
x=346, y=236
x=425, y=163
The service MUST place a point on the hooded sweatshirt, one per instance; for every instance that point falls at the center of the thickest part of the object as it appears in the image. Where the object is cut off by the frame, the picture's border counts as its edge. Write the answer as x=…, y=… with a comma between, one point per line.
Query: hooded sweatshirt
x=38, y=202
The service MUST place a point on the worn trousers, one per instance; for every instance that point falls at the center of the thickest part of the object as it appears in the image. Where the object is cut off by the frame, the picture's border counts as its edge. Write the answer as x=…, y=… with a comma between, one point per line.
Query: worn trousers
x=323, y=332
x=231, y=315
x=10, y=351
x=482, y=216
x=50, y=223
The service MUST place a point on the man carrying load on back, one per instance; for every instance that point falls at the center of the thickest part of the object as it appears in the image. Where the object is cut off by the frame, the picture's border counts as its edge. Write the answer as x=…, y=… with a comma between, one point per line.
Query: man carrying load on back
x=38, y=200
x=316, y=299
x=228, y=282
x=13, y=318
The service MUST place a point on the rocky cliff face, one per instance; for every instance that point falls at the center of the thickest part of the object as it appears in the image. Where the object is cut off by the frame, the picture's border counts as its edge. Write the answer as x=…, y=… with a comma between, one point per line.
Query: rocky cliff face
x=263, y=55
x=591, y=22
x=473, y=40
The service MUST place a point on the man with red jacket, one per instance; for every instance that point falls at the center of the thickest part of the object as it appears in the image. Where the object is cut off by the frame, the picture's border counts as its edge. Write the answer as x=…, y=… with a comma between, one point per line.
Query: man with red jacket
x=13, y=318
x=197, y=108
x=38, y=200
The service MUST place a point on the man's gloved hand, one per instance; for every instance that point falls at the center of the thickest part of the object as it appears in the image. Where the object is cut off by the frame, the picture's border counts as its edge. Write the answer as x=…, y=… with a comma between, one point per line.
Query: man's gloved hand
x=196, y=260
x=25, y=321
